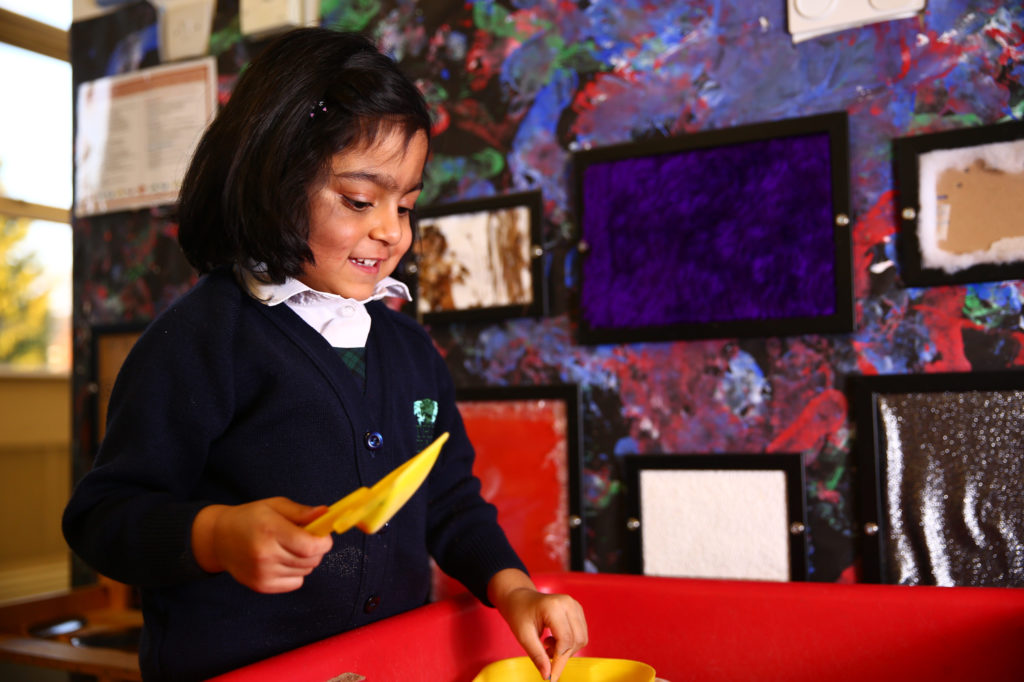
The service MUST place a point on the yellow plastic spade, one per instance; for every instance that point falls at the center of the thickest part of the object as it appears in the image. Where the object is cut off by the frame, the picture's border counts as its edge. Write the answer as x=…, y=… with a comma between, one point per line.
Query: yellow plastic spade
x=370, y=508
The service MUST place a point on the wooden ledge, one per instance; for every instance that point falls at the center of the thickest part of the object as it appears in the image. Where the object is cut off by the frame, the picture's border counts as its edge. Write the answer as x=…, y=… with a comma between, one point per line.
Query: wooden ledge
x=106, y=664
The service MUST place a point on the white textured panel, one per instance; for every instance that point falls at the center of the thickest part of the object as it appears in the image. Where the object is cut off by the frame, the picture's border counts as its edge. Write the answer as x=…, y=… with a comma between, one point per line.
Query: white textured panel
x=715, y=524
x=812, y=18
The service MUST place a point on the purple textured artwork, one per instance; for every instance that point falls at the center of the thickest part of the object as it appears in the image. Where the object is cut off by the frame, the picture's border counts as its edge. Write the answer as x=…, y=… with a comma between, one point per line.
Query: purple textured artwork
x=738, y=232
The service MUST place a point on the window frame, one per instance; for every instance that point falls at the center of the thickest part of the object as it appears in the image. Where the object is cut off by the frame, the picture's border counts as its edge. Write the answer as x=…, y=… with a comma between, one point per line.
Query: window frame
x=35, y=36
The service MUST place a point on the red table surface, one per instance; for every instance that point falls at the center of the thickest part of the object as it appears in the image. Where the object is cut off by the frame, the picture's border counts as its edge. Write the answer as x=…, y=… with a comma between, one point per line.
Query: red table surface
x=700, y=630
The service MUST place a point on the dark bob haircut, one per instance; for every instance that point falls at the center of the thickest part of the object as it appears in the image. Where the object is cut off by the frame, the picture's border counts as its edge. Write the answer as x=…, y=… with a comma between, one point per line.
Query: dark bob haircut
x=245, y=196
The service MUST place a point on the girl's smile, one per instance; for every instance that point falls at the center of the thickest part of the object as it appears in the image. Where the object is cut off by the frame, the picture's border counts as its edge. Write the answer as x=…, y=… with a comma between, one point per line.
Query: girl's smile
x=359, y=225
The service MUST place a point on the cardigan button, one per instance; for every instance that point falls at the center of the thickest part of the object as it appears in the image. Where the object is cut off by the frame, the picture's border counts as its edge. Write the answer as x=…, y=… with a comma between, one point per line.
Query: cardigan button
x=371, y=604
x=374, y=440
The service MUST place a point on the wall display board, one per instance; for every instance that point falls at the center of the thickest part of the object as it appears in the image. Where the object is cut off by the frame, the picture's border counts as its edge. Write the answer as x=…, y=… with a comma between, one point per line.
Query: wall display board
x=941, y=465
x=136, y=133
x=734, y=232
x=516, y=88
x=527, y=442
x=961, y=195
x=729, y=516
x=480, y=259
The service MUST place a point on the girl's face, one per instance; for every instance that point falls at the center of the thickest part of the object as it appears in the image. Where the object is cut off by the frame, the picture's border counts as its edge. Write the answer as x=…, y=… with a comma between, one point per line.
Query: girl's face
x=359, y=219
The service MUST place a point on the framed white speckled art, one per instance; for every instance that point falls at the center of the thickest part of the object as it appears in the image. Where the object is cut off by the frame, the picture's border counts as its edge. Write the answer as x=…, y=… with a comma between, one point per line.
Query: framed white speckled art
x=941, y=461
x=721, y=516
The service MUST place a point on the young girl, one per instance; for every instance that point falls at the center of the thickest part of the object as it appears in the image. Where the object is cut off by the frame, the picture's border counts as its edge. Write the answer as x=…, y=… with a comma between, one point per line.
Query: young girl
x=282, y=382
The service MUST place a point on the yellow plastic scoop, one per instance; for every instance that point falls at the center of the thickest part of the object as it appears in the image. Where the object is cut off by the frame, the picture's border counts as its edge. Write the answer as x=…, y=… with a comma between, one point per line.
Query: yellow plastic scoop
x=370, y=508
x=578, y=669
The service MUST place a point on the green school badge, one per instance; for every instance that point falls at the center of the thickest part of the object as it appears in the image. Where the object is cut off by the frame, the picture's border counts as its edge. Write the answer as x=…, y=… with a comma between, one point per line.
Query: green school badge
x=425, y=411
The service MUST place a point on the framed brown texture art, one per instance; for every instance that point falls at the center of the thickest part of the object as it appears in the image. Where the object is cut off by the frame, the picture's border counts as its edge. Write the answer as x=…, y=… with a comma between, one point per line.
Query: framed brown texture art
x=480, y=259
x=940, y=467
x=110, y=346
x=717, y=516
x=961, y=205
x=527, y=441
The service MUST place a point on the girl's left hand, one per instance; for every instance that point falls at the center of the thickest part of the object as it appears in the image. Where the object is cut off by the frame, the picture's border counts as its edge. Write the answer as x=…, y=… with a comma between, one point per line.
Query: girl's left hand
x=529, y=613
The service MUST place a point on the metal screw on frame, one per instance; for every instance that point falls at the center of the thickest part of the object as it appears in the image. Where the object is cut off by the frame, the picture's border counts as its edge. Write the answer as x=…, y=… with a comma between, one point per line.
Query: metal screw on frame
x=633, y=523
x=842, y=220
x=583, y=247
x=909, y=213
x=575, y=521
x=870, y=528
x=796, y=528
x=537, y=251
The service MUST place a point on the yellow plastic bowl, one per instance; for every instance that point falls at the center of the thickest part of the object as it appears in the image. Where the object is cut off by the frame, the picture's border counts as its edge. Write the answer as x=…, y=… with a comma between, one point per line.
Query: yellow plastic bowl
x=579, y=669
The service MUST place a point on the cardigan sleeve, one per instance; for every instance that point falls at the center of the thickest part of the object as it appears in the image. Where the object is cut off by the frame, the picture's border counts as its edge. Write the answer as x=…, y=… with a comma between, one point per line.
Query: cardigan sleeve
x=463, y=533
x=130, y=517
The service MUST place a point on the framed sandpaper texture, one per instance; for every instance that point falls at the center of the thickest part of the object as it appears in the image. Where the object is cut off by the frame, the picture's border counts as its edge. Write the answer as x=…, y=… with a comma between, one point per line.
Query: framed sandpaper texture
x=739, y=231
x=717, y=516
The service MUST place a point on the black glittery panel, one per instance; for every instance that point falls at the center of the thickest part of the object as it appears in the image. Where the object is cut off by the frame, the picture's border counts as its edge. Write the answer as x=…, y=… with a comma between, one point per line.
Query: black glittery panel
x=953, y=499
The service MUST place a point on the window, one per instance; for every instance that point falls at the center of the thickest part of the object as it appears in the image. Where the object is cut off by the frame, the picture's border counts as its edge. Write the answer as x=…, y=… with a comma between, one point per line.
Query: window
x=35, y=186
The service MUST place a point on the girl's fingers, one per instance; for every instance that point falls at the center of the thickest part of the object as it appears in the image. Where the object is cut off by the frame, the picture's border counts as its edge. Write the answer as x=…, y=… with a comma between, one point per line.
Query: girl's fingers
x=569, y=635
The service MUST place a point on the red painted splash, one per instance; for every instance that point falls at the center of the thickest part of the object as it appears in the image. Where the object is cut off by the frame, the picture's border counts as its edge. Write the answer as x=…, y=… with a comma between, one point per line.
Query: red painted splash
x=941, y=311
x=821, y=417
x=473, y=116
x=874, y=227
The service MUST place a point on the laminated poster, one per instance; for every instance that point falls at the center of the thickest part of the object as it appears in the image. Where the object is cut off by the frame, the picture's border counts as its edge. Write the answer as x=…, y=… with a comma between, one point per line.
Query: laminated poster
x=136, y=134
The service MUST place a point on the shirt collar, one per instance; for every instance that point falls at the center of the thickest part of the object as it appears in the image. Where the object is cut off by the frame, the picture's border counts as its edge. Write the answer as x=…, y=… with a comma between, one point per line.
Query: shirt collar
x=273, y=294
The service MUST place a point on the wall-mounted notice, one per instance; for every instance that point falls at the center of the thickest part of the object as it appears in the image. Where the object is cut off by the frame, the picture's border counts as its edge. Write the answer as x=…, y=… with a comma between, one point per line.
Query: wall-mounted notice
x=136, y=133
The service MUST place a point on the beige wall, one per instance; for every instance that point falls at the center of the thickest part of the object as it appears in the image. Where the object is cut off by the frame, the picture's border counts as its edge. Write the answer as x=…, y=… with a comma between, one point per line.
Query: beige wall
x=35, y=480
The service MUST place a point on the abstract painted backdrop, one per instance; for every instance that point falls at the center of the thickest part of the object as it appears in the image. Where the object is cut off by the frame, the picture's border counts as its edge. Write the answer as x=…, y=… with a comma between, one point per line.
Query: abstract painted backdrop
x=517, y=86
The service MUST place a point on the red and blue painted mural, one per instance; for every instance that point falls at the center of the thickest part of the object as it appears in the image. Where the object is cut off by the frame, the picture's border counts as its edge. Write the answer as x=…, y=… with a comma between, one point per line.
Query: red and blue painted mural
x=517, y=85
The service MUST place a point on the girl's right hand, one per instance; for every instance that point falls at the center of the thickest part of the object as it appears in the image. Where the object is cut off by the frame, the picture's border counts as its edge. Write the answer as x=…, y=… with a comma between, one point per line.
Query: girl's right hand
x=262, y=544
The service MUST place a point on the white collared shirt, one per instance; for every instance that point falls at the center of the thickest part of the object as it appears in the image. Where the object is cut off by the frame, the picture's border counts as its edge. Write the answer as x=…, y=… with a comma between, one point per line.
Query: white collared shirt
x=344, y=322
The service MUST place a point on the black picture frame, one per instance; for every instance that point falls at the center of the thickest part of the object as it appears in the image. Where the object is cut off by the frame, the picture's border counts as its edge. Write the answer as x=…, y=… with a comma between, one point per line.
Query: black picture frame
x=933, y=398
x=790, y=465
x=109, y=345
x=667, y=255
x=436, y=288
x=569, y=396
x=907, y=169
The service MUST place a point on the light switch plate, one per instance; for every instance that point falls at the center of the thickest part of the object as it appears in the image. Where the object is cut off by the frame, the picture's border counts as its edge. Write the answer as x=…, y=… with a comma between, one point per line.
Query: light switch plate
x=812, y=18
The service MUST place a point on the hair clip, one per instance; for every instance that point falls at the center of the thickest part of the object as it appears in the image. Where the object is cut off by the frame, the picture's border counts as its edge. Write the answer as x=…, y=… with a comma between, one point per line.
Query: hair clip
x=319, y=105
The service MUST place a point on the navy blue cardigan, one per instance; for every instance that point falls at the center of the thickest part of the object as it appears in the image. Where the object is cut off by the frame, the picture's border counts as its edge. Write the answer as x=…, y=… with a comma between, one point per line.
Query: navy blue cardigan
x=226, y=400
